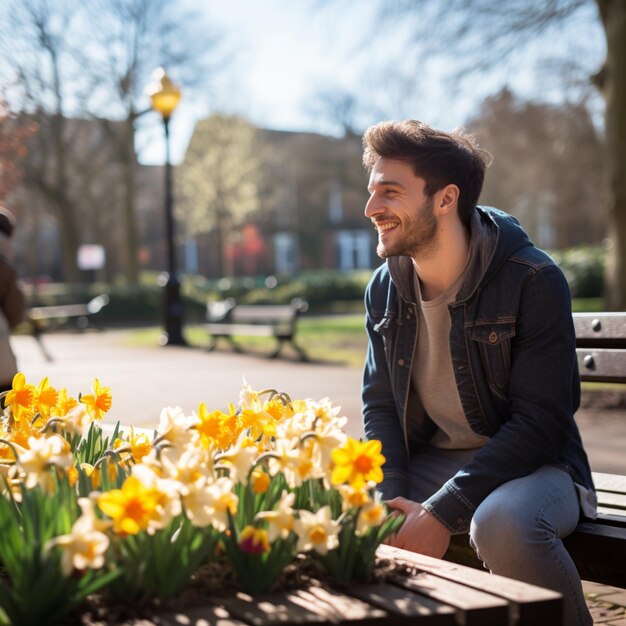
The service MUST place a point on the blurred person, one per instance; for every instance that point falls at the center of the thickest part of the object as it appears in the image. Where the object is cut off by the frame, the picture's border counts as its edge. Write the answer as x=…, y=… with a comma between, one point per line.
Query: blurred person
x=12, y=303
x=471, y=378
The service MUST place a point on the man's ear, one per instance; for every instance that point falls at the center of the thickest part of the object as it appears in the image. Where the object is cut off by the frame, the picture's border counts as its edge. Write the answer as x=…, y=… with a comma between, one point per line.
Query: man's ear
x=447, y=199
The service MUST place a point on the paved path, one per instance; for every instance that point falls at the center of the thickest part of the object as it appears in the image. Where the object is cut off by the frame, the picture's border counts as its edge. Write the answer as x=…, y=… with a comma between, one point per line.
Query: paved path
x=143, y=380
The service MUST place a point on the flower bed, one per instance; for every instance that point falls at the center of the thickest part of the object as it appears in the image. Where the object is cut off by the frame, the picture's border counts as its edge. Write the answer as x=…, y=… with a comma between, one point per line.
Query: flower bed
x=135, y=517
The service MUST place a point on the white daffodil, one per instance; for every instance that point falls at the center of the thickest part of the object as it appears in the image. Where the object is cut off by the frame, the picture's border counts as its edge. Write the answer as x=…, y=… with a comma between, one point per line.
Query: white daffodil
x=317, y=531
x=372, y=515
x=281, y=520
x=248, y=398
x=239, y=459
x=218, y=501
x=41, y=454
x=174, y=427
x=85, y=546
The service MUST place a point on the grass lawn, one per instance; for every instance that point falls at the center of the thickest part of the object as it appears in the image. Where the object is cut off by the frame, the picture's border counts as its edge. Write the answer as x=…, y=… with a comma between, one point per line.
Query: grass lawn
x=330, y=338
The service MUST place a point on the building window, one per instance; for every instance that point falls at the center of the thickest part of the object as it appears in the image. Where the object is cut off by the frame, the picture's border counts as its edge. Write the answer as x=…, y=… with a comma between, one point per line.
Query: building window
x=335, y=202
x=285, y=253
x=354, y=249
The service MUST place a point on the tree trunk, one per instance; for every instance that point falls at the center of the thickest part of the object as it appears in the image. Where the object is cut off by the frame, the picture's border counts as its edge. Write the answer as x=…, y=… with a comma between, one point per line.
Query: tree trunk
x=613, y=14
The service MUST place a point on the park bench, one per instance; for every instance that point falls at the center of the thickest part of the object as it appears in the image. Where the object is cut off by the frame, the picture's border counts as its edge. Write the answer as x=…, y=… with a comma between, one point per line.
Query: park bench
x=598, y=547
x=227, y=319
x=42, y=318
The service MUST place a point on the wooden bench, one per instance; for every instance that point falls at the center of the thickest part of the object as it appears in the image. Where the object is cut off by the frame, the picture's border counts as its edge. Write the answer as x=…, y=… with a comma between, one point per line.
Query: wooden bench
x=228, y=320
x=41, y=318
x=598, y=547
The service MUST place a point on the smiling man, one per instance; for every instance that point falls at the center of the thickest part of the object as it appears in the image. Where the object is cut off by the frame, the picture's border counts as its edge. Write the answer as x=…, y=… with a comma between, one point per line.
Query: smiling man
x=471, y=380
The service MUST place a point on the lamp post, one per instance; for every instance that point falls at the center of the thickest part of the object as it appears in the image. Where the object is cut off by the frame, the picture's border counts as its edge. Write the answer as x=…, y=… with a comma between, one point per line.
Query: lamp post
x=165, y=96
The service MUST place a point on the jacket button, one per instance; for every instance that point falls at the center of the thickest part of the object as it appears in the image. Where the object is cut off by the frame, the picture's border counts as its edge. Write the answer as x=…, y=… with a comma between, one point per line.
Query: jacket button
x=401, y=362
x=493, y=336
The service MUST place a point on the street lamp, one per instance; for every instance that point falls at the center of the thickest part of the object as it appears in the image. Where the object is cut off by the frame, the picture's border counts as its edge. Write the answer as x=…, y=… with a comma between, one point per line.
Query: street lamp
x=165, y=96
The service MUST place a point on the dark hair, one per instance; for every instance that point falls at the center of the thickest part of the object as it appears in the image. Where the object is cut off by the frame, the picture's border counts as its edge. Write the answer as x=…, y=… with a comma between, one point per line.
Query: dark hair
x=438, y=157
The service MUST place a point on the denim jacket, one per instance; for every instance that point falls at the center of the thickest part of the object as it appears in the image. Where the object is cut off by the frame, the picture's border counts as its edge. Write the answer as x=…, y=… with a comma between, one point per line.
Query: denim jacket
x=513, y=354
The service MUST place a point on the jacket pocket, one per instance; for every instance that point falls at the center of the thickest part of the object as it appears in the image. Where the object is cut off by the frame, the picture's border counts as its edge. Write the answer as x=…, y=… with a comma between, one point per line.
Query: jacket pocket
x=494, y=346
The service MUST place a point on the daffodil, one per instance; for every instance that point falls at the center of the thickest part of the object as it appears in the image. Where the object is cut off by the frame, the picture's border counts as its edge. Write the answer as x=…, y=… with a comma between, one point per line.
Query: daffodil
x=85, y=546
x=99, y=402
x=372, y=515
x=213, y=427
x=317, y=531
x=239, y=460
x=353, y=498
x=41, y=455
x=174, y=427
x=139, y=444
x=357, y=462
x=21, y=397
x=254, y=540
x=64, y=404
x=281, y=520
x=221, y=502
x=259, y=480
x=131, y=508
x=45, y=399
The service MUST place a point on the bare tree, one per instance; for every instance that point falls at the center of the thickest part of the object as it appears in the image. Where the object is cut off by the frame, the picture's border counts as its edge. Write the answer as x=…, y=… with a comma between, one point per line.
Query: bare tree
x=44, y=49
x=482, y=34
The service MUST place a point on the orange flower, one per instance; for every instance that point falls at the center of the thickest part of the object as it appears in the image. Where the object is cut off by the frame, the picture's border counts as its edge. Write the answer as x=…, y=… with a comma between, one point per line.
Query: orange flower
x=98, y=402
x=45, y=398
x=21, y=398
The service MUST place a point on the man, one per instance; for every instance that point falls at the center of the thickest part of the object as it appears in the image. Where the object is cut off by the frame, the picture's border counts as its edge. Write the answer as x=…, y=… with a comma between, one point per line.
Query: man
x=471, y=379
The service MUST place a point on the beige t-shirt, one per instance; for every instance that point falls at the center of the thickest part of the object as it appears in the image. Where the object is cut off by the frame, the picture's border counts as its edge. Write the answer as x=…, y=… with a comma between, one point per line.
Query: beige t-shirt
x=433, y=376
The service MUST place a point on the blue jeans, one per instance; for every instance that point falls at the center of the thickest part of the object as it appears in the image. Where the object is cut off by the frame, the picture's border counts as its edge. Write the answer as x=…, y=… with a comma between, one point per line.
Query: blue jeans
x=517, y=530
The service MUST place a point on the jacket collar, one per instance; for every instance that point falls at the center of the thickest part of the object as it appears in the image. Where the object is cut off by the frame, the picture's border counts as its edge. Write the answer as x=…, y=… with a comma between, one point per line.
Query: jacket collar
x=495, y=236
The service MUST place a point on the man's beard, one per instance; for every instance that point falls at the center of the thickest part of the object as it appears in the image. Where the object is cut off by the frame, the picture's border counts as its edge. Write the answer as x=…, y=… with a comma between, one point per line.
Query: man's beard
x=419, y=237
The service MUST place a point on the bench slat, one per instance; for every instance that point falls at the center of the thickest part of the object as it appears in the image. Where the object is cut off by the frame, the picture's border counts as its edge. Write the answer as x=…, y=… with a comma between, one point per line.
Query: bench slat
x=256, y=330
x=609, y=482
x=602, y=365
x=605, y=329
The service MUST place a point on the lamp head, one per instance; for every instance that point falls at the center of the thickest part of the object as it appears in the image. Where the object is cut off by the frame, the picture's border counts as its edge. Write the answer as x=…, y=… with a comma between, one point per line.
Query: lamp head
x=164, y=95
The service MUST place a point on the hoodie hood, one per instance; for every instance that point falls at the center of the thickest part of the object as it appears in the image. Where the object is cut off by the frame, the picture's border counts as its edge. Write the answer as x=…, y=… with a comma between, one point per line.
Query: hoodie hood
x=495, y=237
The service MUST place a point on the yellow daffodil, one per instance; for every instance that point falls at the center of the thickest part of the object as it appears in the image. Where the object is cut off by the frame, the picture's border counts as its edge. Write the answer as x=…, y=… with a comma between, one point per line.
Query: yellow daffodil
x=64, y=404
x=259, y=480
x=45, y=399
x=132, y=507
x=317, y=531
x=99, y=402
x=213, y=427
x=85, y=546
x=93, y=473
x=21, y=398
x=254, y=540
x=353, y=498
x=357, y=462
x=139, y=444
x=281, y=520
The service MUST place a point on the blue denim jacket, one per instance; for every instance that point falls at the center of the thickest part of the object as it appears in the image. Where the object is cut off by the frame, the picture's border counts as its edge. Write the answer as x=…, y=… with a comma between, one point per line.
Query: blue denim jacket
x=513, y=353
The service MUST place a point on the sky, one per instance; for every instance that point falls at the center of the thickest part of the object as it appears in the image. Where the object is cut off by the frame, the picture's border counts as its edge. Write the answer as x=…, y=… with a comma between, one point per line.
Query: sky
x=286, y=51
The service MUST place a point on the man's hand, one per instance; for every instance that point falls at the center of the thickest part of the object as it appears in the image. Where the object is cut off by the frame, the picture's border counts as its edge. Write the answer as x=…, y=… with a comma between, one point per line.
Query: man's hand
x=421, y=532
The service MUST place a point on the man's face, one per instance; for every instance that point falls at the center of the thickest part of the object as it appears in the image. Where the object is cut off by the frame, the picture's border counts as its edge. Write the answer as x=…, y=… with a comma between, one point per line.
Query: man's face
x=400, y=210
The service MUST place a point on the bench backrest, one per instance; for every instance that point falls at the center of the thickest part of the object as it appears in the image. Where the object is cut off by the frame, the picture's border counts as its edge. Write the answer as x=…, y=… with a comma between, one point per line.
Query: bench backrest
x=601, y=346
x=228, y=311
